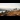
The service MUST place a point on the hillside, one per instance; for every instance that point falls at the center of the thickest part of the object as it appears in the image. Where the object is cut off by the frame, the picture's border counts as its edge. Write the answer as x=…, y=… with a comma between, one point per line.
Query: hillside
x=14, y=13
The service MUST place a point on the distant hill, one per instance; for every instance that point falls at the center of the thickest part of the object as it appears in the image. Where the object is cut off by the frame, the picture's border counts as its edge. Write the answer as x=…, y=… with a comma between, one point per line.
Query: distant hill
x=2, y=9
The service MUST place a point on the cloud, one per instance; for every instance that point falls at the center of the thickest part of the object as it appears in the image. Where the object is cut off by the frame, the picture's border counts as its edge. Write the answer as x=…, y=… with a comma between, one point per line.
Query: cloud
x=9, y=5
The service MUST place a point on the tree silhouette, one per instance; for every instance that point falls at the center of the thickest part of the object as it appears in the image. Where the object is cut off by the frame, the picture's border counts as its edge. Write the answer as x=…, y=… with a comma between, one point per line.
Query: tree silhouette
x=5, y=11
x=2, y=12
x=19, y=9
x=15, y=9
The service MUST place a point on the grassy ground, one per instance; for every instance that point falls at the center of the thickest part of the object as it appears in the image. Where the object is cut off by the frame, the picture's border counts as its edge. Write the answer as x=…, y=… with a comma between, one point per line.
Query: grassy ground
x=12, y=13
